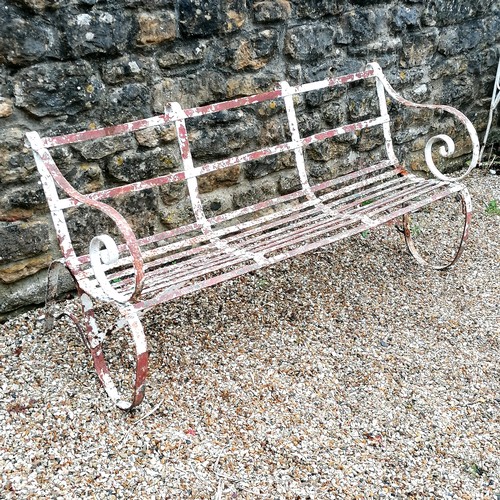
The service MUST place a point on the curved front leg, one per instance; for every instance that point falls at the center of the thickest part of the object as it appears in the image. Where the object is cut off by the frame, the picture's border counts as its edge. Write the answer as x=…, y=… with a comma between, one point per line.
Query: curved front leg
x=467, y=213
x=95, y=341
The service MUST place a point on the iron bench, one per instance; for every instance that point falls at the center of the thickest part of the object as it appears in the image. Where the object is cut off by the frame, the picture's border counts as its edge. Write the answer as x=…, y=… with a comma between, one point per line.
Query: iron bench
x=140, y=272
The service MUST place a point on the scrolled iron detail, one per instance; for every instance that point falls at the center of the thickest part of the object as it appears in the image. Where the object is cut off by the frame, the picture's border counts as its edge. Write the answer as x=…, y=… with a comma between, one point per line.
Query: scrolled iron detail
x=105, y=257
x=445, y=151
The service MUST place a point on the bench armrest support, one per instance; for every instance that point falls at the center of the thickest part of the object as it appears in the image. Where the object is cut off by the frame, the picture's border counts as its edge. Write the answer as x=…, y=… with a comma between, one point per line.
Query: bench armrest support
x=109, y=255
x=449, y=146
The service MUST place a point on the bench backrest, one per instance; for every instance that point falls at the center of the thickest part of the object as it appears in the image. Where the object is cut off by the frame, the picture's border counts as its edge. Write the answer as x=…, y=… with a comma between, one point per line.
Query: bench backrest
x=190, y=172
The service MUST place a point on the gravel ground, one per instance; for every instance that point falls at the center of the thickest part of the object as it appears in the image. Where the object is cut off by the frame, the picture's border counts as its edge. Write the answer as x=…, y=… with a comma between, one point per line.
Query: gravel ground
x=350, y=372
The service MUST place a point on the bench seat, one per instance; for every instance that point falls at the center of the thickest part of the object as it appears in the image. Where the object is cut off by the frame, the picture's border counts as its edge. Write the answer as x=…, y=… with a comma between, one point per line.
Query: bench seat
x=195, y=256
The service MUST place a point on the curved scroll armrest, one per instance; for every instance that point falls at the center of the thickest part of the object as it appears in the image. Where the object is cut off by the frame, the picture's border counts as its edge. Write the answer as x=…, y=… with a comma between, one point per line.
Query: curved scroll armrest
x=449, y=146
x=110, y=254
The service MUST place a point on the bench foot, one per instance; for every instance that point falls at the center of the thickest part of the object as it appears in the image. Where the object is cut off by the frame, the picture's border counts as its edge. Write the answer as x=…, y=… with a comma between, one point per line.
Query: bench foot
x=94, y=341
x=467, y=213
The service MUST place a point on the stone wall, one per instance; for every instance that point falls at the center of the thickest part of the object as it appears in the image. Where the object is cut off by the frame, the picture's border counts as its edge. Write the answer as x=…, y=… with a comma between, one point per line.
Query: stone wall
x=78, y=64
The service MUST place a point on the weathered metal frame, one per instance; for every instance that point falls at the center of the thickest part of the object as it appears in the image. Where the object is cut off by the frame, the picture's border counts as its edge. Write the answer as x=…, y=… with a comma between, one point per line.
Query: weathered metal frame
x=151, y=276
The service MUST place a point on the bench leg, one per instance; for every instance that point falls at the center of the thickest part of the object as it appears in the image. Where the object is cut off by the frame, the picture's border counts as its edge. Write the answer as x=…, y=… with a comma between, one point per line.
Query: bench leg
x=95, y=344
x=466, y=211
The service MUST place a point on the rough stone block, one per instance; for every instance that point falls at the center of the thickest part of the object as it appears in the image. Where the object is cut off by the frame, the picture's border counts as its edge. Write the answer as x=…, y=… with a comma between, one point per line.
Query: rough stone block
x=220, y=178
x=308, y=121
x=26, y=292
x=309, y=42
x=22, y=239
x=483, y=65
x=128, y=103
x=288, y=183
x=156, y=27
x=222, y=140
x=258, y=191
x=234, y=15
x=382, y=45
x=447, y=67
x=16, y=271
x=419, y=47
x=445, y=12
x=409, y=134
x=133, y=166
x=129, y=69
x=491, y=26
x=315, y=9
x=11, y=168
x=27, y=39
x=368, y=2
x=254, y=52
x=327, y=150
x=54, y=89
x=344, y=65
x=321, y=171
x=96, y=31
x=87, y=178
x=173, y=192
x=364, y=25
x=199, y=17
x=269, y=11
x=141, y=211
x=5, y=107
x=177, y=215
x=362, y=105
x=456, y=91
x=217, y=203
x=404, y=16
x=370, y=138
x=242, y=85
x=148, y=137
x=334, y=114
x=193, y=90
x=150, y=4
x=14, y=214
x=420, y=93
x=40, y=5
x=182, y=54
x=65, y=158
x=95, y=150
x=455, y=40
x=28, y=196
x=16, y=162
x=271, y=108
x=273, y=131
x=310, y=71
x=85, y=223
x=413, y=75
x=265, y=166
